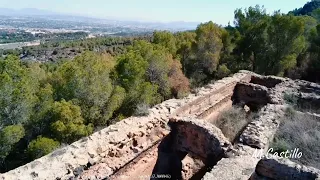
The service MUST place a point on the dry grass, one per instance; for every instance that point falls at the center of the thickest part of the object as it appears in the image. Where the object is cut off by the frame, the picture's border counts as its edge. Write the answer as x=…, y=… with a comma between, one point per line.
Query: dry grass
x=233, y=121
x=303, y=105
x=301, y=131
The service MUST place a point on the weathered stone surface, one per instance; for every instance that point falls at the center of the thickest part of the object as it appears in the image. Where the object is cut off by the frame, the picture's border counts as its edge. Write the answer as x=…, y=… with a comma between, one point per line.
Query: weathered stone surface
x=253, y=95
x=260, y=132
x=140, y=168
x=99, y=171
x=209, y=96
x=201, y=138
x=190, y=166
x=308, y=87
x=284, y=169
x=267, y=81
x=277, y=93
x=235, y=168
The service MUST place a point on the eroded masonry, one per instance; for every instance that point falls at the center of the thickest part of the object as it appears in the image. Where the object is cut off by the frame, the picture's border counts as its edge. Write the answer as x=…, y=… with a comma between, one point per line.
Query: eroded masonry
x=179, y=140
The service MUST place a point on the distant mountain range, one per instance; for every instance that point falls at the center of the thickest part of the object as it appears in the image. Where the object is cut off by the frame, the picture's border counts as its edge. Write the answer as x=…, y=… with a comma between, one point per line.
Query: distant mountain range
x=177, y=25
x=24, y=12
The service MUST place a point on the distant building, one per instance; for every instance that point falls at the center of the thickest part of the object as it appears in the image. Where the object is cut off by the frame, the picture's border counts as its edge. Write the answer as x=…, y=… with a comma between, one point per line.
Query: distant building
x=91, y=36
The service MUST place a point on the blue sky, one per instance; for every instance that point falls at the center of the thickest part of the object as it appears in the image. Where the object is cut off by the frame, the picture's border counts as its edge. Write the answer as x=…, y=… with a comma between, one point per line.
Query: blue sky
x=219, y=11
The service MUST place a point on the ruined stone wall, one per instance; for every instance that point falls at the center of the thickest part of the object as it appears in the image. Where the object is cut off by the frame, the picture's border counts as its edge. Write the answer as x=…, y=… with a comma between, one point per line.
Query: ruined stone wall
x=176, y=136
x=199, y=138
x=212, y=96
x=283, y=169
x=103, y=153
x=241, y=163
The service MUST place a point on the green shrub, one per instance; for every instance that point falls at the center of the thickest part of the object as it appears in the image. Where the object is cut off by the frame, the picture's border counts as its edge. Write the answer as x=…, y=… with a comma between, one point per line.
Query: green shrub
x=280, y=145
x=290, y=111
x=68, y=125
x=291, y=99
x=222, y=71
x=9, y=136
x=41, y=146
x=142, y=110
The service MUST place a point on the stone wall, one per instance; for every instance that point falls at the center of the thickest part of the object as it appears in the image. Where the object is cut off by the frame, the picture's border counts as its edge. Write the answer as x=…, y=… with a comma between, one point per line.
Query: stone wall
x=199, y=138
x=284, y=169
x=106, y=151
x=241, y=163
x=253, y=95
x=176, y=134
x=261, y=130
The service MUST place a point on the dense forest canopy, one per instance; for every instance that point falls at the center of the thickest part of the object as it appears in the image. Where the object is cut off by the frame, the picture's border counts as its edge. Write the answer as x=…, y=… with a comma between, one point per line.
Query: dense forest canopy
x=308, y=8
x=48, y=104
